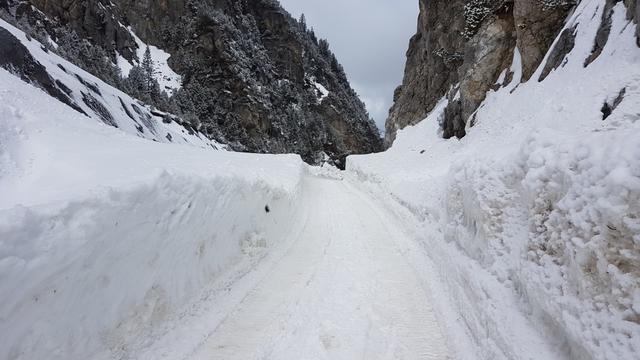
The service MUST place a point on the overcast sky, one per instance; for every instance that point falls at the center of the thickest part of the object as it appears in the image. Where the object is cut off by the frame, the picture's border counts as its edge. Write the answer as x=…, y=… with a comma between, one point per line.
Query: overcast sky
x=370, y=39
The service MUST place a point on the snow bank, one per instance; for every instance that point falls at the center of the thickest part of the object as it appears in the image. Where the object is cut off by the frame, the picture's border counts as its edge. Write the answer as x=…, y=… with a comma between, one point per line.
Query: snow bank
x=104, y=236
x=532, y=219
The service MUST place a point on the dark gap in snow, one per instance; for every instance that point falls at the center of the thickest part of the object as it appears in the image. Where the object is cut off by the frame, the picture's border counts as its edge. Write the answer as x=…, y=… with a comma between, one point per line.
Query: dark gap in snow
x=508, y=78
x=607, y=109
x=139, y=127
x=99, y=109
x=145, y=118
x=602, y=35
x=63, y=87
x=88, y=85
x=453, y=125
x=126, y=109
x=565, y=44
x=474, y=119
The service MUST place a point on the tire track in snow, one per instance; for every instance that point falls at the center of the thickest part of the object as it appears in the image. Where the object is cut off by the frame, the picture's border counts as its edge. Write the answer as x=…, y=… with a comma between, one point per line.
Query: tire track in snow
x=343, y=291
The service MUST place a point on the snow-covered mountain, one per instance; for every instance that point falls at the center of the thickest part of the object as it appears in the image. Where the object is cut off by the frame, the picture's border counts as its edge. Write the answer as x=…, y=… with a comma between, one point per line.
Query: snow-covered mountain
x=30, y=60
x=99, y=193
x=242, y=72
x=531, y=219
x=503, y=223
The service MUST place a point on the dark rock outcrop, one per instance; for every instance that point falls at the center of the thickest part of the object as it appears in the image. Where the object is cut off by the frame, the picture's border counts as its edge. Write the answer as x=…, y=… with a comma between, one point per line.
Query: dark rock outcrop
x=487, y=54
x=634, y=13
x=434, y=56
x=15, y=58
x=253, y=77
x=565, y=44
x=604, y=30
x=97, y=20
x=537, y=25
x=460, y=50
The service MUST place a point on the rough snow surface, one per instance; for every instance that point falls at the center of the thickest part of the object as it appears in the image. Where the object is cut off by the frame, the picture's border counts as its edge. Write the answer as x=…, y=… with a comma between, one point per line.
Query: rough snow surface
x=104, y=236
x=531, y=220
x=343, y=289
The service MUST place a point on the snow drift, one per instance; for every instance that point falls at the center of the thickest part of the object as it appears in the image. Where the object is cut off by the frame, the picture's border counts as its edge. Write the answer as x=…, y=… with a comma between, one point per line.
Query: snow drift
x=532, y=218
x=104, y=235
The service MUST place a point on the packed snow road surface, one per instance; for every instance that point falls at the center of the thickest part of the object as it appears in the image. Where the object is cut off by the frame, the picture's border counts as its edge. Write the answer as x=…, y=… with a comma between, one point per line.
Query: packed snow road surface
x=158, y=251
x=343, y=290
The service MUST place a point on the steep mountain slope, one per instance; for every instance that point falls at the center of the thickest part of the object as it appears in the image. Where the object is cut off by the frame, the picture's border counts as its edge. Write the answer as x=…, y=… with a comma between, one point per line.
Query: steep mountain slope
x=251, y=76
x=464, y=48
x=34, y=63
x=531, y=219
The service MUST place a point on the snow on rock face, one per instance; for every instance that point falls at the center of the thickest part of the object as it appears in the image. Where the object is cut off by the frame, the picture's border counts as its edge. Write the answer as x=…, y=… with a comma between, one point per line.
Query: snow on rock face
x=100, y=101
x=532, y=218
x=464, y=45
x=322, y=91
x=167, y=78
x=238, y=85
x=104, y=236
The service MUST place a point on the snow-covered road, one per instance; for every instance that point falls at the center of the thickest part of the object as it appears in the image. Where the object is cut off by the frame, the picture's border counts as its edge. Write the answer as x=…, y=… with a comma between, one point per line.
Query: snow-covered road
x=343, y=290
x=157, y=251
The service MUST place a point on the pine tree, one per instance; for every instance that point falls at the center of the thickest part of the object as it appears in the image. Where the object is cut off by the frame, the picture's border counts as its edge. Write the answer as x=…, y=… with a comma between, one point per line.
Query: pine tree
x=324, y=48
x=135, y=84
x=303, y=22
x=149, y=72
x=312, y=34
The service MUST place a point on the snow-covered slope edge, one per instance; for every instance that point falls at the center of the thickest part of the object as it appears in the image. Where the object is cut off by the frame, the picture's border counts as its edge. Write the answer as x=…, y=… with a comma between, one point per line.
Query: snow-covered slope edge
x=532, y=219
x=104, y=235
x=89, y=95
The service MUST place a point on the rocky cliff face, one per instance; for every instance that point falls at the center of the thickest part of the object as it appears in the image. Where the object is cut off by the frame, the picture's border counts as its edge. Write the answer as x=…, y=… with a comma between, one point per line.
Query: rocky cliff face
x=252, y=76
x=463, y=49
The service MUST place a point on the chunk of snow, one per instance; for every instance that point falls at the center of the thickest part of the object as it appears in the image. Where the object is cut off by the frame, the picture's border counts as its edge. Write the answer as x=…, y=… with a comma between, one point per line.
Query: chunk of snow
x=322, y=90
